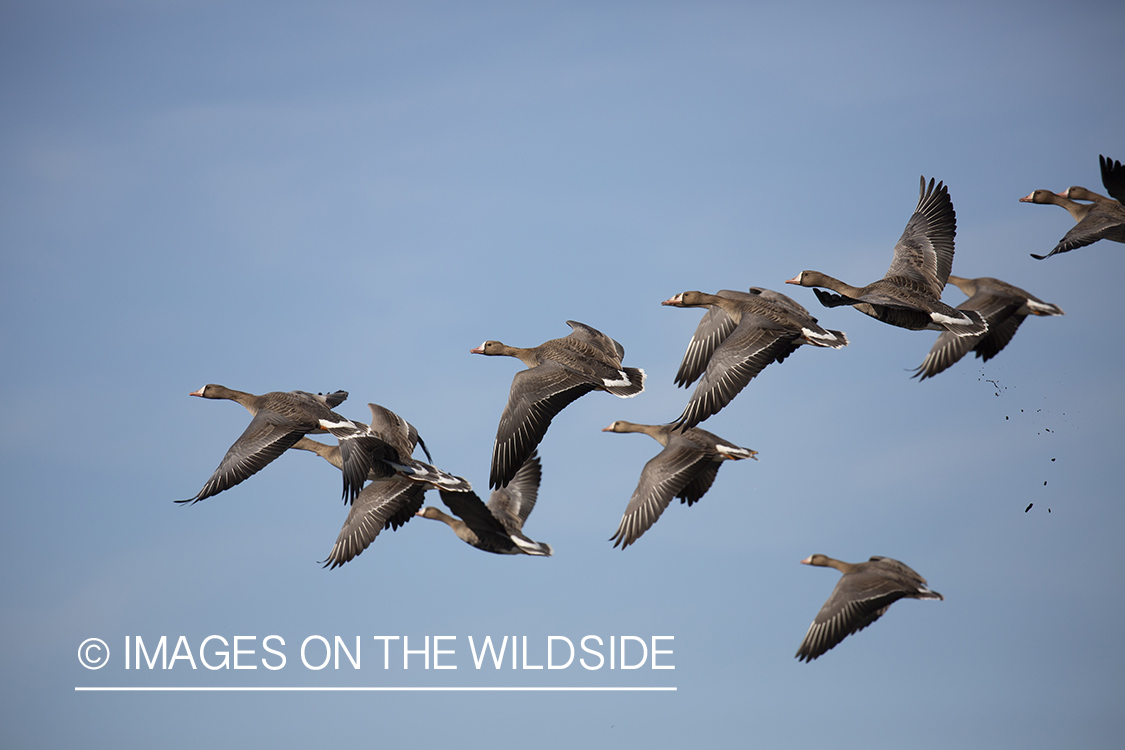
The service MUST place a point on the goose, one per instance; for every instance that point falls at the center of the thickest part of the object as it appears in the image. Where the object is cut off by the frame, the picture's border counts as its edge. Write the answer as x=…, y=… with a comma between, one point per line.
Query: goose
x=1078, y=193
x=861, y=596
x=388, y=501
x=740, y=334
x=1003, y=306
x=909, y=295
x=559, y=371
x=1103, y=219
x=686, y=469
x=280, y=419
x=1076, y=210
x=498, y=526
x=1113, y=177
x=385, y=459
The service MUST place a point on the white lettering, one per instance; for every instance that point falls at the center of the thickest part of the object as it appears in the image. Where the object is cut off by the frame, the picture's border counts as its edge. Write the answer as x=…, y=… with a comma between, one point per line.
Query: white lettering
x=656, y=651
x=386, y=648
x=225, y=664
x=161, y=651
x=601, y=659
x=266, y=646
x=438, y=651
x=341, y=647
x=238, y=651
x=550, y=653
x=478, y=658
x=406, y=652
x=187, y=652
x=525, y=664
x=644, y=655
x=327, y=652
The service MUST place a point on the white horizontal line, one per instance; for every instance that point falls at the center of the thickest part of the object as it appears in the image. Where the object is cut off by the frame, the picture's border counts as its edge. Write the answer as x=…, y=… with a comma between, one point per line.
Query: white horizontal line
x=159, y=689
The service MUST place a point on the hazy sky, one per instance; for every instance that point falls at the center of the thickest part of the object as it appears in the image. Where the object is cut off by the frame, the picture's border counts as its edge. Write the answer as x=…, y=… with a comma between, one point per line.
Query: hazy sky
x=281, y=196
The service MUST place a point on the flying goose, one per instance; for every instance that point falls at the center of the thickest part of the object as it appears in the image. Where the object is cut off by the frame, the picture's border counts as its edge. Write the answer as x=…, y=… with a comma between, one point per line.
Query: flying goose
x=498, y=526
x=1113, y=177
x=739, y=335
x=385, y=457
x=279, y=420
x=686, y=469
x=861, y=596
x=388, y=501
x=909, y=295
x=559, y=371
x=1004, y=308
x=1104, y=219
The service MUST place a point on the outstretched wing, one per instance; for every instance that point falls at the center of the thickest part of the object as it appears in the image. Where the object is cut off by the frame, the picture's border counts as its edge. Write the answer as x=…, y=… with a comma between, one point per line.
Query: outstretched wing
x=266, y=437
x=382, y=503
x=924, y=252
x=537, y=395
x=662, y=478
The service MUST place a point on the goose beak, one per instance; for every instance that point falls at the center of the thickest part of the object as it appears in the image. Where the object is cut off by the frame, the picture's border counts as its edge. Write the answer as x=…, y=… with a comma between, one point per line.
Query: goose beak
x=1027, y=198
x=197, y=393
x=675, y=301
x=807, y=560
x=795, y=280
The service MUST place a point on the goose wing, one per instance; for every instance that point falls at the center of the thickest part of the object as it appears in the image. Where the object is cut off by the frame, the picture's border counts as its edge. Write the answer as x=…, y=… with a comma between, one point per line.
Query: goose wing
x=755, y=343
x=999, y=312
x=1113, y=177
x=381, y=504
x=1096, y=225
x=538, y=394
x=712, y=330
x=662, y=478
x=860, y=597
x=609, y=347
x=924, y=252
x=268, y=435
x=514, y=503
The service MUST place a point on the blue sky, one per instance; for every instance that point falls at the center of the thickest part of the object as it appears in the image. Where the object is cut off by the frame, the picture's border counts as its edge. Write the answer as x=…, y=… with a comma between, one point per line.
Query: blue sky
x=352, y=195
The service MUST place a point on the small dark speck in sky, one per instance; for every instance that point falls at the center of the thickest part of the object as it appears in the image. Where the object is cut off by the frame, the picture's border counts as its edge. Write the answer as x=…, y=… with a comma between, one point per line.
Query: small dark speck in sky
x=1025, y=510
